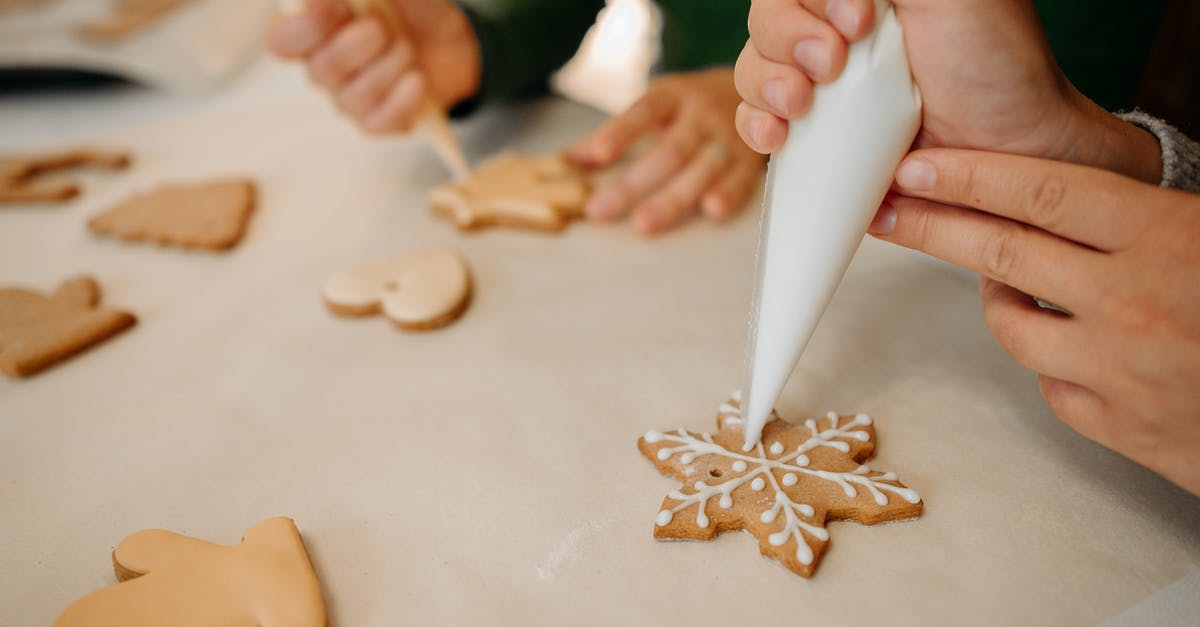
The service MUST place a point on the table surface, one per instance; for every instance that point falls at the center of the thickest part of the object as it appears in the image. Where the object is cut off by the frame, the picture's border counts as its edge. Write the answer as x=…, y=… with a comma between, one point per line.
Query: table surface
x=488, y=472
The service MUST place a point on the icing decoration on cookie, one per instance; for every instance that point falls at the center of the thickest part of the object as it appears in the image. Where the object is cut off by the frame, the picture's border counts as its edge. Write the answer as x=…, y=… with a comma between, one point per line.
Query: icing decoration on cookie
x=19, y=175
x=170, y=579
x=37, y=331
x=540, y=193
x=782, y=492
x=210, y=215
x=128, y=17
x=418, y=291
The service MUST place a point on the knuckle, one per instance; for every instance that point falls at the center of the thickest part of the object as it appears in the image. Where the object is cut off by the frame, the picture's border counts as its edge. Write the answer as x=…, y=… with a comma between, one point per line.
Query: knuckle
x=1000, y=254
x=1045, y=205
x=923, y=227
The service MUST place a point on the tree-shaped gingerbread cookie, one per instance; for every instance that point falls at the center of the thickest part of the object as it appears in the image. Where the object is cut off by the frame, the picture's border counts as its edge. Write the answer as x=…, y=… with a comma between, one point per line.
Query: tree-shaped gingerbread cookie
x=782, y=492
x=166, y=579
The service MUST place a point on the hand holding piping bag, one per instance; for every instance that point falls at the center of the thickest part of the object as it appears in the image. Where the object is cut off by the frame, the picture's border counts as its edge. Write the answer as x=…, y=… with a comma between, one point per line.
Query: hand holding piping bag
x=393, y=67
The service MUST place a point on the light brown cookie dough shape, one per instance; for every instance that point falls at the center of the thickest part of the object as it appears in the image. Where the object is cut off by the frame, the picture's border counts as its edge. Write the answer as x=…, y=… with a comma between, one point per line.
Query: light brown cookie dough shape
x=19, y=174
x=167, y=579
x=38, y=331
x=782, y=492
x=418, y=291
x=541, y=193
x=211, y=215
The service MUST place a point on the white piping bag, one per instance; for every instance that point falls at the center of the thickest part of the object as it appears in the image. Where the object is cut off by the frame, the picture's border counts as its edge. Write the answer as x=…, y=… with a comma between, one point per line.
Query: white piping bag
x=823, y=188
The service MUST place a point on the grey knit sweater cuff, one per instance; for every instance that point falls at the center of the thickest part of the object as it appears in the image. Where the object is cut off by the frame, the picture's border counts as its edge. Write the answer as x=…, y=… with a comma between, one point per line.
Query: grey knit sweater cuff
x=1180, y=154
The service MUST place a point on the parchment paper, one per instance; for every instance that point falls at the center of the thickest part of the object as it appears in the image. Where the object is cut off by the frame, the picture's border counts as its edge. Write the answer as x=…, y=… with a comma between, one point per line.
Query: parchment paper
x=487, y=473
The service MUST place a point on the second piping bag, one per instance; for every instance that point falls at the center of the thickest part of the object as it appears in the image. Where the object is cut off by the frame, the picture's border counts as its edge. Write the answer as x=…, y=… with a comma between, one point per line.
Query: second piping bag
x=823, y=188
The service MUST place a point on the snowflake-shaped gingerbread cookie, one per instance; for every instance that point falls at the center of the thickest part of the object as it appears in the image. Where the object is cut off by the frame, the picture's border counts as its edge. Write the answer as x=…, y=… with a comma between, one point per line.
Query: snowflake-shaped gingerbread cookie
x=541, y=193
x=783, y=491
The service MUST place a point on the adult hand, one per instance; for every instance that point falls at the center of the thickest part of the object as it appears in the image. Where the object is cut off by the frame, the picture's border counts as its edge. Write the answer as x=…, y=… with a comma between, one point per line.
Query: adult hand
x=696, y=163
x=987, y=77
x=374, y=77
x=1122, y=256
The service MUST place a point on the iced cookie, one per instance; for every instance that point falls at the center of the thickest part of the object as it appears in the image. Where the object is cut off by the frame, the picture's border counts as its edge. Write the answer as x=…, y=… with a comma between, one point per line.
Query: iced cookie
x=168, y=579
x=128, y=17
x=782, y=492
x=418, y=291
x=20, y=175
x=210, y=215
x=540, y=193
x=37, y=331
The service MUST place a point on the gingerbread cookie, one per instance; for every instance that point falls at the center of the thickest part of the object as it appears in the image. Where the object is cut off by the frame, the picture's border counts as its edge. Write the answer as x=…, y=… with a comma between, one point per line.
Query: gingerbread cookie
x=210, y=216
x=418, y=291
x=128, y=17
x=19, y=174
x=168, y=579
x=540, y=193
x=37, y=331
x=783, y=492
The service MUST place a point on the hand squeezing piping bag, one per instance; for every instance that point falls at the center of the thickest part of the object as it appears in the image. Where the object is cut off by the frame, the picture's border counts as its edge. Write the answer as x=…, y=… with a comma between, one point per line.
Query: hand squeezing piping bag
x=823, y=188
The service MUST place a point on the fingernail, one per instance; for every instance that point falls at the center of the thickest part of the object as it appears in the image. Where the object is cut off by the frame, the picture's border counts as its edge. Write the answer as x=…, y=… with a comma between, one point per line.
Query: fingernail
x=916, y=174
x=845, y=16
x=757, y=131
x=605, y=204
x=775, y=94
x=813, y=57
x=885, y=220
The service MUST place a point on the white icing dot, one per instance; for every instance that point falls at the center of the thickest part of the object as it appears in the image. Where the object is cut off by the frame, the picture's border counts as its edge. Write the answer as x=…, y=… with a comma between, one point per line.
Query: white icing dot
x=841, y=446
x=806, y=509
x=849, y=490
x=663, y=454
x=726, y=501
x=700, y=485
x=687, y=458
x=739, y=466
x=701, y=519
x=801, y=460
x=910, y=495
x=821, y=534
x=832, y=416
x=863, y=419
x=790, y=479
x=861, y=436
x=769, y=515
x=776, y=448
x=758, y=484
x=881, y=498
x=778, y=538
x=804, y=554
x=664, y=517
x=653, y=437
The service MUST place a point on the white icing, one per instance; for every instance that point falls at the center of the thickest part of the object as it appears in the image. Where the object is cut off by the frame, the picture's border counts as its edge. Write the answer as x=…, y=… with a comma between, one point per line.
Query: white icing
x=412, y=287
x=759, y=470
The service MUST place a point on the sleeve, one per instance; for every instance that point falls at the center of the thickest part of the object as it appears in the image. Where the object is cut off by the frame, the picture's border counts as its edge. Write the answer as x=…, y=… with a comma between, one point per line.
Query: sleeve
x=1180, y=154
x=522, y=41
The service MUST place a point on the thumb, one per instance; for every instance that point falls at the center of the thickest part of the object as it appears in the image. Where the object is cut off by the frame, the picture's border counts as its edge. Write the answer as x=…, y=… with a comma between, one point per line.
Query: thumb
x=154, y=549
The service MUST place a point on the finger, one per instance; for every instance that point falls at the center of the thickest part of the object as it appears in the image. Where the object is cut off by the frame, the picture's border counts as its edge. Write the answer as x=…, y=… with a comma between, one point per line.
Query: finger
x=606, y=144
x=367, y=90
x=1077, y=406
x=1082, y=204
x=297, y=36
x=1044, y=341
x=770, y=86
x=728, y=195
x=680, y=198
x=648, y=172
x=348, y=52
x=762, y=131
x=786, y=32
x=1012, y=253
x=852, y=18
x=396, y=112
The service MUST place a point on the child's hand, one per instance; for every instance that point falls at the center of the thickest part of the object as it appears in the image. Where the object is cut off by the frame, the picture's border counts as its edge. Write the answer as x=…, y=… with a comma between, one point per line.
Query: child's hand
x=1122, y=256
x=696, y=162
x=373, y=77
x=987, y=77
